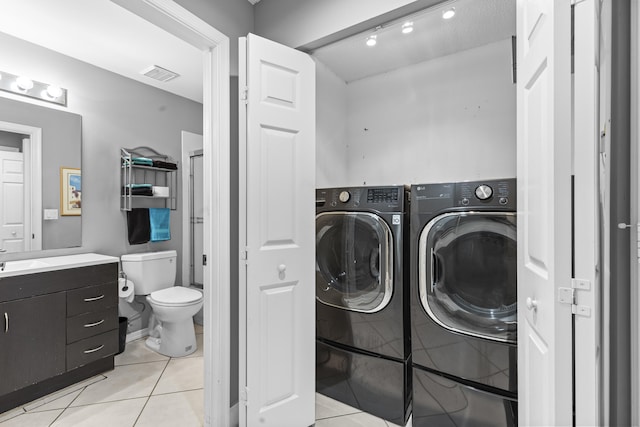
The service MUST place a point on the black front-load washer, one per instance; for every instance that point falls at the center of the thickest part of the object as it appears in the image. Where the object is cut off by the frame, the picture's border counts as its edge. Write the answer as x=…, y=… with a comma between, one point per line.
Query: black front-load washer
x=362, y=299
x=463, y=303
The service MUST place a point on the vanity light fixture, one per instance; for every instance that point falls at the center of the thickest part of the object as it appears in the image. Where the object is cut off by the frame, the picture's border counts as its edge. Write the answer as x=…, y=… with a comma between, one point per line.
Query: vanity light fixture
x=371, y=40
x=21, y=85
x=449, y=13
x=407, y=27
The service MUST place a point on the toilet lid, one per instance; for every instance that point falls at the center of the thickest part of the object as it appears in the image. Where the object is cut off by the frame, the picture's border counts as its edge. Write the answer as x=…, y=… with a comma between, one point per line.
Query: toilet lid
x=176, y=295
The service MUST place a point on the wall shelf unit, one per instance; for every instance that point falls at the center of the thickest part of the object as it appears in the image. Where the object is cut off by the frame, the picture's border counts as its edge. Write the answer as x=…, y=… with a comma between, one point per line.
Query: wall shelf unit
x=146, y=179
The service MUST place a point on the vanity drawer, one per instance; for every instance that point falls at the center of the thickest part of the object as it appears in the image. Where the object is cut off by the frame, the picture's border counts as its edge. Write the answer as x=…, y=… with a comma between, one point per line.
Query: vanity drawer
x=92, y=298
x=90, y=324
x=91, y=349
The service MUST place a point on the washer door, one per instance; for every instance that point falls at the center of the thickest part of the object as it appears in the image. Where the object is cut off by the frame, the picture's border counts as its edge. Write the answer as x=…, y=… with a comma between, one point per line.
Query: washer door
x=467, y=273
x=354, y=261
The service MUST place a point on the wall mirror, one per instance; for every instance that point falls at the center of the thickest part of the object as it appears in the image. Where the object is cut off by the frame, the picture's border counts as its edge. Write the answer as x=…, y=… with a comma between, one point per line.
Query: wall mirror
x=40, y=178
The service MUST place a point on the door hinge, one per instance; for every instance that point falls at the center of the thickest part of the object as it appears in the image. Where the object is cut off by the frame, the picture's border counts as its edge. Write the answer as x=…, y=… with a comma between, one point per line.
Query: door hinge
x=568, y=296
x=244, y=254
x=244, y=396
x=244, y=94
x=204, y=259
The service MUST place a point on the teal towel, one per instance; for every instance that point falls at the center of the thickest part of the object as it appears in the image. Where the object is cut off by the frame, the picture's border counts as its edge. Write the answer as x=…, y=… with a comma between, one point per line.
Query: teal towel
x=142, y=161
x=159, y=221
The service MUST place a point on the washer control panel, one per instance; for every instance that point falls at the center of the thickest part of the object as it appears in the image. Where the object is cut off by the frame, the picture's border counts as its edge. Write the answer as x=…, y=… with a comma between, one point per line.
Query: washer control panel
x=376, y=198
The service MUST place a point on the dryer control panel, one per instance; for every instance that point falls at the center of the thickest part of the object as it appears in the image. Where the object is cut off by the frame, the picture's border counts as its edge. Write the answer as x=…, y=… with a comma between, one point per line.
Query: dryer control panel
x=495, y=194
x=486, y=193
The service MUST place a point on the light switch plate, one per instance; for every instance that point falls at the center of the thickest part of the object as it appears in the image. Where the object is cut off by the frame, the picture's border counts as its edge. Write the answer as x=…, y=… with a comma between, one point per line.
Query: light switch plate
x=50, y=214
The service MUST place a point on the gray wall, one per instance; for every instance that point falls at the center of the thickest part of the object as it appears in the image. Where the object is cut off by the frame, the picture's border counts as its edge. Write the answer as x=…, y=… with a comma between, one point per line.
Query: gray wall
x=61, y=146
x=116, y=112
x=233, y=18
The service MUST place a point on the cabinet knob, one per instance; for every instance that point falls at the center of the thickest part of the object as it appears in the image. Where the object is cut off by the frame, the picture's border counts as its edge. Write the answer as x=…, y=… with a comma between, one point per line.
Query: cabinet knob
x=532, y=304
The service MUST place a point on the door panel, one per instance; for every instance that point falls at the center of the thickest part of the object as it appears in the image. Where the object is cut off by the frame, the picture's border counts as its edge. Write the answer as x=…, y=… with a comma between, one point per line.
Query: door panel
x=12, y=201
x=544, y=211
x=467, y=273
x=277, y=324
x=354, y=261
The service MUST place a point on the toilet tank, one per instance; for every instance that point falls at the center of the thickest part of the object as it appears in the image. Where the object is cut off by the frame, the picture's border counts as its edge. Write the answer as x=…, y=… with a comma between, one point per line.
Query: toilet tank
x=150, y=271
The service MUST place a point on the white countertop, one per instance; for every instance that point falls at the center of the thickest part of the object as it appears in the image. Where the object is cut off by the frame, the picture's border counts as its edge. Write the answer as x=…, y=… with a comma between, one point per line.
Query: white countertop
x=38, y=265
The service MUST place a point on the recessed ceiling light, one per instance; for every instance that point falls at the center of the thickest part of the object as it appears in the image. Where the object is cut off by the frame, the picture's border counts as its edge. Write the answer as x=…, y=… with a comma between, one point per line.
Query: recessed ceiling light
x=407, y=27
x=371, y=40
x=449, y=13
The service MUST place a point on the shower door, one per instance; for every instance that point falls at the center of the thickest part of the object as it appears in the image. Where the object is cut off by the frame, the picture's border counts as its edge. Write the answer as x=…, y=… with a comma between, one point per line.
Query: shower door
x=196, y=214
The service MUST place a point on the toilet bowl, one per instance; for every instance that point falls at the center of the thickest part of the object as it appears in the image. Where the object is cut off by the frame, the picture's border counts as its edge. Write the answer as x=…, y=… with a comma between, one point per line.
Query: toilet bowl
x=171, y=330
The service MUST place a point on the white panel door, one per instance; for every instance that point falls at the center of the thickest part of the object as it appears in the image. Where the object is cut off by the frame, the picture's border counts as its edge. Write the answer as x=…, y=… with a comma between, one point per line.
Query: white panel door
x=12, y=201
x=277, y=157
x=545, y=376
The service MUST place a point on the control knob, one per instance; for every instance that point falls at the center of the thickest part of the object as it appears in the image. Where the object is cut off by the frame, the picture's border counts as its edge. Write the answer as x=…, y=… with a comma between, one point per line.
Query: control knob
x=484, y=192
x=344, y=196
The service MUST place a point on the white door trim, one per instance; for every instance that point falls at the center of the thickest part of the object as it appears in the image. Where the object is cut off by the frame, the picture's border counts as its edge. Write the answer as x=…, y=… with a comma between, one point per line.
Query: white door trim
x=32, y=182
x=587, y=338
x=170, y=16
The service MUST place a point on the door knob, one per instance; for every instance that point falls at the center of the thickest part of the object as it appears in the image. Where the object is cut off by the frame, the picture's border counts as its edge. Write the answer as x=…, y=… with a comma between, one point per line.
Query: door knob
x=532, y=304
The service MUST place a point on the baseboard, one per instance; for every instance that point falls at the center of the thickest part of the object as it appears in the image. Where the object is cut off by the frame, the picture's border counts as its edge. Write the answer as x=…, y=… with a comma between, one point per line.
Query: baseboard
x=234, y=415
x=136, y=335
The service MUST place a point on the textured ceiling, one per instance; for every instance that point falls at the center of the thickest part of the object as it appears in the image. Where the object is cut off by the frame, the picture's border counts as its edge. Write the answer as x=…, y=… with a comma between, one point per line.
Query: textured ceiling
x=476, y=23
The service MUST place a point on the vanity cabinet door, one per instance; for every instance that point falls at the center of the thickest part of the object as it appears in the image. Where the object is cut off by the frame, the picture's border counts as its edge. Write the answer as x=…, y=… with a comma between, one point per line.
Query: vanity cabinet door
x=32, y=340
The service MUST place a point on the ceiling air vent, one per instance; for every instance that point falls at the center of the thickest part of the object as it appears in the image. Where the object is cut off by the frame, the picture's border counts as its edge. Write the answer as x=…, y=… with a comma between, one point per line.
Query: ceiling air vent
x=159, y=73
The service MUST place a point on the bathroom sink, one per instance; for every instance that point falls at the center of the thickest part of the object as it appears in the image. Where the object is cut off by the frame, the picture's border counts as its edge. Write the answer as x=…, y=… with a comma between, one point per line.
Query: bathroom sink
x=37, y=265
x=23, y=266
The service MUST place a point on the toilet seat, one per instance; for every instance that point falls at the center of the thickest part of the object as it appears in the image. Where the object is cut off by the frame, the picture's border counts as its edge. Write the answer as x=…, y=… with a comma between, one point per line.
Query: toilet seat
x=176, y=296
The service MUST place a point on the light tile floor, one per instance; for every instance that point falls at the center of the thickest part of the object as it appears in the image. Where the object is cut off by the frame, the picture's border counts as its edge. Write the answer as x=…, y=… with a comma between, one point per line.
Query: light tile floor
x=147, y=389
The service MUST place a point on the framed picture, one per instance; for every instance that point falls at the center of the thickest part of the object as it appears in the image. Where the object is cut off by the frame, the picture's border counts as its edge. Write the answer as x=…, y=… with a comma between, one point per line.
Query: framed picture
x=70, y=191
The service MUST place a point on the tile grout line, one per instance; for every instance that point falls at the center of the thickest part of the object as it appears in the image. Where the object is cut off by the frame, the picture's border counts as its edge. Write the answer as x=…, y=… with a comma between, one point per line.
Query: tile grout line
x=151, y=394
x=70, y=403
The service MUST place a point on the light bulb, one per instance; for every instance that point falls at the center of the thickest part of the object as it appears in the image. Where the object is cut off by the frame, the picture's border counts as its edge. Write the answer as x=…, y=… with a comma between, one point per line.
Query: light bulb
x=407, y=27
x=54, y=91
x=24, y=83
x=449, y=13
x=371, y=40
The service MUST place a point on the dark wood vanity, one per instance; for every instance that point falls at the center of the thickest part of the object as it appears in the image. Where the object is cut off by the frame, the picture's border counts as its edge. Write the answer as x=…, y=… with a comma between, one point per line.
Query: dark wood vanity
x=56, y=328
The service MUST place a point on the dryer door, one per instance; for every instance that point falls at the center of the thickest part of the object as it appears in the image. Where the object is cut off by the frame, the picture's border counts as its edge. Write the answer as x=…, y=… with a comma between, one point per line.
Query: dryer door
x=354, y=261
x=467, y=273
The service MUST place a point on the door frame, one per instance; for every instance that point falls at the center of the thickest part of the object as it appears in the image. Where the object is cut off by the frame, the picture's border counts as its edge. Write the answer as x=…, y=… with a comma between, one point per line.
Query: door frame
x=175, y=19
x=32, y=182
x=635, y=212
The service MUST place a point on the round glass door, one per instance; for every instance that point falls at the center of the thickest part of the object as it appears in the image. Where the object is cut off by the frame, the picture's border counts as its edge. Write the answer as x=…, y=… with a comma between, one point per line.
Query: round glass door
x=467, y=273
x=354, y=261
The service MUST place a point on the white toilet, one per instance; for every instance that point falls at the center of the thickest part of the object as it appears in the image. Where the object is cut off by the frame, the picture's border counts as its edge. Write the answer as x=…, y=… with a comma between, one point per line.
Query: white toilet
x=171, y=330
